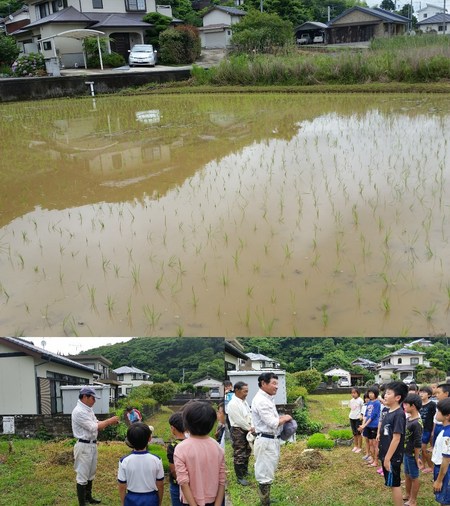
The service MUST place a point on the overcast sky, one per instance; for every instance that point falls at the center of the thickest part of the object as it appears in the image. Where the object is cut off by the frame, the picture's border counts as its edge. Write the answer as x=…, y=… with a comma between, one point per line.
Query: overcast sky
x=73, y=345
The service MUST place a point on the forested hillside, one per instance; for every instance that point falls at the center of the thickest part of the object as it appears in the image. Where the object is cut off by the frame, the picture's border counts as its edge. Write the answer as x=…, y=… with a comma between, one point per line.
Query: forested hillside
x=165, y=358
x=322, y=353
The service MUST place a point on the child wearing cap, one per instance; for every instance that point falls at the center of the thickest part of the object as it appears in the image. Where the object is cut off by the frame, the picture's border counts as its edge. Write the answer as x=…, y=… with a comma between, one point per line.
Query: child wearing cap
x=141, y=474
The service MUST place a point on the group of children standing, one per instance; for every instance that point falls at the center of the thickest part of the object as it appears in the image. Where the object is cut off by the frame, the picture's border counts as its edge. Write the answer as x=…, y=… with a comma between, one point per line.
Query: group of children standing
x=196, y=462
x=409, y=427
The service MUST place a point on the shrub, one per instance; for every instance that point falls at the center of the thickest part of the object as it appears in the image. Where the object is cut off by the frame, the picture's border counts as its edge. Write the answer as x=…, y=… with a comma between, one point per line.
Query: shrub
x=340, y=434
x=9, y=50
x=262, y=33
x=295, y=392
x=179, y=45
x=309, y=379
x=29, y=65
x=319, y=440
x=304, y=424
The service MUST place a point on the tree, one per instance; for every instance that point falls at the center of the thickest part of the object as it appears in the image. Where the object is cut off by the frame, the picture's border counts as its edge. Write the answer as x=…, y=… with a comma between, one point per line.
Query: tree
x=388, y=5
x=261, y=32
x=309, y=379
x=9, y=50
x=431, y=375
x=163, y=392
x=9, y=6
x=160, y=23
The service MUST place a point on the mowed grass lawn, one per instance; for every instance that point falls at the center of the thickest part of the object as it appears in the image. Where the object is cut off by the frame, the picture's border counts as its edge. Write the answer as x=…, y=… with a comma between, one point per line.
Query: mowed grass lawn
x=342, y=479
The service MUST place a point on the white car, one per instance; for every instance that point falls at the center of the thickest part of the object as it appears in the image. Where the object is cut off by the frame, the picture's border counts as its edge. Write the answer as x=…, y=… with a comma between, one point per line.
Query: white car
x=304, y=39
x=142, y=54
x=318, y=39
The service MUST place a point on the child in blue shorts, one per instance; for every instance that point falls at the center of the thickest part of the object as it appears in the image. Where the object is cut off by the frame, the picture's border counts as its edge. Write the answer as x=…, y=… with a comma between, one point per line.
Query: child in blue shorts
x=413, y=443
x=141, y=474
x=441, y=455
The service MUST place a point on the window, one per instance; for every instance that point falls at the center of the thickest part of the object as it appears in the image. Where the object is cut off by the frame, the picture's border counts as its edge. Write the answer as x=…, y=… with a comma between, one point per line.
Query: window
x=399, y=361
x=414, y=361
x=425, y=15
x=42, y=10
x=135, y=5
x=97, y=4
x=47, y=45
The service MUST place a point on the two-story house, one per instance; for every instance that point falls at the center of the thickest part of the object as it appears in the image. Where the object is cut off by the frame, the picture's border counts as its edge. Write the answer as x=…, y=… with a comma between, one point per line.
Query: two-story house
x=428, y=11
x=131, y=377
x=58, y=27
x=402, y=363
x=439, y=23
x=260, y=362
x=216, y=31
x=104, y=375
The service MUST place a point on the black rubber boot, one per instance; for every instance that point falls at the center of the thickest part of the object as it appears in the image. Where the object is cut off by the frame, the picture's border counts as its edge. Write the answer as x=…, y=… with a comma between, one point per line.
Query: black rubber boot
x=89, y=497
x=239, y=469
x=81, y=494
x=264, y=494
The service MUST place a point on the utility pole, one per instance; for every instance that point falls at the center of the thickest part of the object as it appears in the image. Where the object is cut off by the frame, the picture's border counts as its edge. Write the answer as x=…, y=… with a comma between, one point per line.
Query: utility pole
x=444, y=25
x=261, y=5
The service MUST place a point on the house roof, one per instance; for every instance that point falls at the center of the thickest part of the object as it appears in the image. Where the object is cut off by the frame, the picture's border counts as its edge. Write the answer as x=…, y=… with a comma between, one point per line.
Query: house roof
x=67, y=15
x=404, y=351
x=260, y=356
x=233, y=350
x=112, y=19
x=376, y=12
x=436, y=19
x=229, y=10
x=364, y=361
x=208, y=382
x=311, y=25
x=422, y=341
x=84, y=357
x=219, y=27
x=30, y=349
x=129, y=370
x=335, y=370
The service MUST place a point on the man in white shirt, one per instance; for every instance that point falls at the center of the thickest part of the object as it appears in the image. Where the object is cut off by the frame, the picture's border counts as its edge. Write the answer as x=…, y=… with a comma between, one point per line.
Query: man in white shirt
x=85, y=427
x=267, y=425
x=241, y=423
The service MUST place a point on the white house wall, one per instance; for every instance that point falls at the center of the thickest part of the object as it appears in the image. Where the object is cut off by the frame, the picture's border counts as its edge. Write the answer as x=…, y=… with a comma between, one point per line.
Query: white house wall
x=17, y=385
x=44, y=367
x=216, y=17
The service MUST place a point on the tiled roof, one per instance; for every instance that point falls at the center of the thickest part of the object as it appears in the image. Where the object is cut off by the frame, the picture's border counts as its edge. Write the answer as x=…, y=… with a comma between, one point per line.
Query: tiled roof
x=229, y=10
x=377, y=12
x=111, y=19
x=436, y=19
x=68, y=15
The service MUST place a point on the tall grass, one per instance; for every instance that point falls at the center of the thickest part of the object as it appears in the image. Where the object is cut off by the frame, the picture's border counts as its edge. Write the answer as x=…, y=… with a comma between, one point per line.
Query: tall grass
x=402, y=59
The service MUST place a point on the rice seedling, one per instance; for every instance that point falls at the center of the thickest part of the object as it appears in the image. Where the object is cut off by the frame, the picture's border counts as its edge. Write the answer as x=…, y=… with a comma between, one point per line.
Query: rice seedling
x=152, y=316
x=110, y=304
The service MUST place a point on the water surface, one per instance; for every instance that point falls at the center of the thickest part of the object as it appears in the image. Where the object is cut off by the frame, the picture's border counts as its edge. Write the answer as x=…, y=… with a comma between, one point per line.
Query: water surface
x=225, y=216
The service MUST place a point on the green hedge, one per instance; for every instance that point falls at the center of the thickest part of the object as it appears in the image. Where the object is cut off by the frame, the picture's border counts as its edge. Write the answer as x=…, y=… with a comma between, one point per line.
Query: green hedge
x=180, y=45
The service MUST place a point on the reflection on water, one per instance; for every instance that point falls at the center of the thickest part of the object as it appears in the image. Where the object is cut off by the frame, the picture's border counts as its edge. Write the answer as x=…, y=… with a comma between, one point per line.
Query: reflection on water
x=225, y=215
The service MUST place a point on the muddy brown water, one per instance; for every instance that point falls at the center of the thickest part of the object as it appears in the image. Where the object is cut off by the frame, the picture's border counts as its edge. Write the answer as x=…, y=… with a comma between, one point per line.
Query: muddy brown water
x=222, y=215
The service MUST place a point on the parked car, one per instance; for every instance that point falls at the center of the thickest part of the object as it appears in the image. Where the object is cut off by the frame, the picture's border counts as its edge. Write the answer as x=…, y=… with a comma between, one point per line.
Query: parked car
x=142, y=54
x=343, y=382
x=318, y=39
x=408, y=380
x=305, y=38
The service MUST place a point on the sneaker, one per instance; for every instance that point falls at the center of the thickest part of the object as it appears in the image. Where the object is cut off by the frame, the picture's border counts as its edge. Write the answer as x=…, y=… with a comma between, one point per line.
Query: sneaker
x=354, y=449
x=358, y=450
x=380, y=470
x=366, y=457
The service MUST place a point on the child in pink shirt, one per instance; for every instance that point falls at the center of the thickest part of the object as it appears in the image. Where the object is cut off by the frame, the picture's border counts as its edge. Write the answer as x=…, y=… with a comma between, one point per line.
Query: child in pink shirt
x=199, y=460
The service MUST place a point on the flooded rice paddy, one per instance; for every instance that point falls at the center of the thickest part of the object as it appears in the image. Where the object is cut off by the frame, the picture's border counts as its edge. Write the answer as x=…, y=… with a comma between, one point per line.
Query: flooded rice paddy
x=225, y=216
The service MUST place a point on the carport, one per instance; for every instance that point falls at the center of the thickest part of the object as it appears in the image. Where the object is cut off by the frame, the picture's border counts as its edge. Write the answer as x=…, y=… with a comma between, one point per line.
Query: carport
x=79, y=34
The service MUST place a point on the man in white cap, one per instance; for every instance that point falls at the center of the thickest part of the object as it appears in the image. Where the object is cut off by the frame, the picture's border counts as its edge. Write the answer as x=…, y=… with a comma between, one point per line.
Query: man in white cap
x=268, y=425
x=85, y=427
